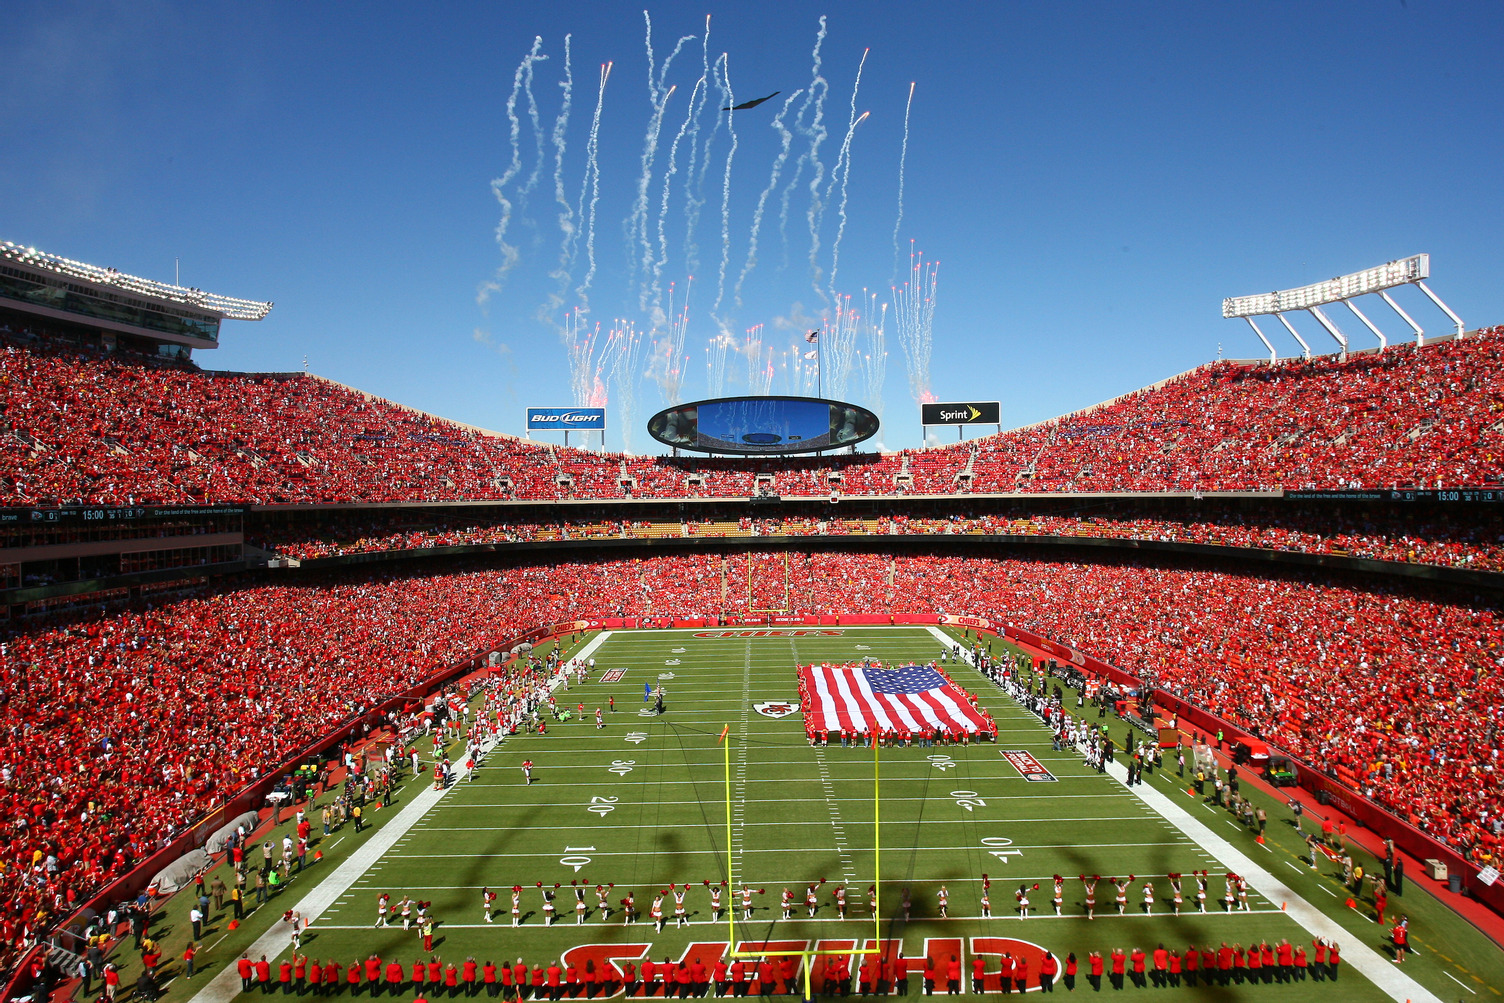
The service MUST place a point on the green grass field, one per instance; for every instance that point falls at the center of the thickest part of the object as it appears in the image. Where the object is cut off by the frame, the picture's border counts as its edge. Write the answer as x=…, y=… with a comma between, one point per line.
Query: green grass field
x=642, y=803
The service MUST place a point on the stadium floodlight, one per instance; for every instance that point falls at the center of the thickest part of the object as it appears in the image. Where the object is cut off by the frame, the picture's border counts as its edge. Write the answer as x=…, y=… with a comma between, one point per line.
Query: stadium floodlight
x=227, y=307
x=1413, y=270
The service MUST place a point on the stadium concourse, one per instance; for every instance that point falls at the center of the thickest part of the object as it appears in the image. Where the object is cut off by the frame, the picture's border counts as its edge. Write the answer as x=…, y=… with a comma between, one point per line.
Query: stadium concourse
x=93, y=430
x=1478, y=544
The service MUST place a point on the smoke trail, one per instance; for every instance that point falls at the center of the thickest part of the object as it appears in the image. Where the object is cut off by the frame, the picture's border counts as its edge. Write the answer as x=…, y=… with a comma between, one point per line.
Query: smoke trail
x=814, y=130
x=584, y=363
x=843, y=168
x=759, y=362
x=814, y=104
x=625, y=351
x=838, y=344
x=509, y=253
x=762, y=200
x=874, y=359
x=903, y=157
x=637, y=223
x=723, y=80
x=592, y=180
x=658, y=316
x=914, y=312
x=717, y=353
x=694, y=184
x=537, y=124
x=562, y=273
x=666, y=368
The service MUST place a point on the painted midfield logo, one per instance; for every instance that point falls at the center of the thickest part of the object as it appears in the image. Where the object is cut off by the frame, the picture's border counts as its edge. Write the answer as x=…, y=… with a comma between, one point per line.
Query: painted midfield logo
x=776, y=708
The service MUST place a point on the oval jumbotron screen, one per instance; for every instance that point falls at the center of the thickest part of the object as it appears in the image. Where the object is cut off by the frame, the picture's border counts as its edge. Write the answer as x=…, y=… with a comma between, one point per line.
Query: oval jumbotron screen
x=763, y=425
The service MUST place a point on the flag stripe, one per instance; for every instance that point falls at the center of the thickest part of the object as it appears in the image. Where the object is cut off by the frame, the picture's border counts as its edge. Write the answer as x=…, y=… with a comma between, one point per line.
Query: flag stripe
x=910, y=698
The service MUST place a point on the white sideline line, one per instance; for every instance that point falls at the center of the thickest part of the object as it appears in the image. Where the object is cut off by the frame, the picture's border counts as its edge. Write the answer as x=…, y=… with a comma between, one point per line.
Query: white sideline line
x=1394, y=983
x=225, y=986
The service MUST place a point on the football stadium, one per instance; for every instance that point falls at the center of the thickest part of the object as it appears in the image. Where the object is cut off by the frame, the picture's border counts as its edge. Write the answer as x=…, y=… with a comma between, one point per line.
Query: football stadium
x=1195, y=692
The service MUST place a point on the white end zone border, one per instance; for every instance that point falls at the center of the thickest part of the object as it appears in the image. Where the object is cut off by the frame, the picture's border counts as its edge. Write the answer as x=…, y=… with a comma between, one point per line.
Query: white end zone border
x=1377, y=969
x=225, y=985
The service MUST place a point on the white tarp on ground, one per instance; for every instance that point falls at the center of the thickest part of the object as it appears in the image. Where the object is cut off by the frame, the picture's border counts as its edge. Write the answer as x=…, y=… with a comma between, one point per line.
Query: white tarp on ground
x=180, y=872
x=216, y=842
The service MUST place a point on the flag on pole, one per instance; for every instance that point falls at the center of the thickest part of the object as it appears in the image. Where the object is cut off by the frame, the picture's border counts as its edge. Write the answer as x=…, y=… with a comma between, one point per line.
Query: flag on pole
x=811, y=355
x=812, y=337
x=914, y=697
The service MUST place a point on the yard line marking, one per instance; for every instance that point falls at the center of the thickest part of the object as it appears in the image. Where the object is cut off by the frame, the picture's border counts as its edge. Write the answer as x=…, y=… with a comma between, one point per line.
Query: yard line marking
x=784, y=850
x=1459, y=981
x=779, y=825
x=1292, y=867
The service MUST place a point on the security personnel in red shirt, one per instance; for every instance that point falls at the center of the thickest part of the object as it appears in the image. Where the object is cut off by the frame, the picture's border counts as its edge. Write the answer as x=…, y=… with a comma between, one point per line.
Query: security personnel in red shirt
x=394, y=975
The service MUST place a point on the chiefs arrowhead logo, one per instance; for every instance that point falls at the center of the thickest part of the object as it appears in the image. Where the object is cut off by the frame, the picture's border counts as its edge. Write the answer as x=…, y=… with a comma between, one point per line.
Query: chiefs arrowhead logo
x=776, y=708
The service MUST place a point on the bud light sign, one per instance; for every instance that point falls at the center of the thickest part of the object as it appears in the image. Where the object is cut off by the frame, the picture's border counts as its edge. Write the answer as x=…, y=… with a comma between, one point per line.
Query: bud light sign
x=566, y=419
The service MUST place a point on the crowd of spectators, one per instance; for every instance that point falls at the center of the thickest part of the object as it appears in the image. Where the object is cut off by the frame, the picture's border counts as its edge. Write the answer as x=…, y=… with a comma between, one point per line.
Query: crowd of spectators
x=82, y=428
x=120, y=729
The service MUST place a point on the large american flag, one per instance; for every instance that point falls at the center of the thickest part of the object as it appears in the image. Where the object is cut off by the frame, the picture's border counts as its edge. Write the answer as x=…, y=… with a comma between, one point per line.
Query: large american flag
x=913, y=697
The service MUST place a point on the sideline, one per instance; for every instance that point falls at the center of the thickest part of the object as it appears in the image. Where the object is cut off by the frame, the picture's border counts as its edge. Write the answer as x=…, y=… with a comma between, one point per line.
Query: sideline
x=225, y=985
x=1383, y=973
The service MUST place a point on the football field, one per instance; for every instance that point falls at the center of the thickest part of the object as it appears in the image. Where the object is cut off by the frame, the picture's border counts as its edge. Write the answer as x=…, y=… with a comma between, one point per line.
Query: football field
x=642, y=804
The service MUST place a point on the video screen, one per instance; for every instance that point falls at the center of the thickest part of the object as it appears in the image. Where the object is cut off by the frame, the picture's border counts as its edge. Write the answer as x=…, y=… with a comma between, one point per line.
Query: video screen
x=751, y=425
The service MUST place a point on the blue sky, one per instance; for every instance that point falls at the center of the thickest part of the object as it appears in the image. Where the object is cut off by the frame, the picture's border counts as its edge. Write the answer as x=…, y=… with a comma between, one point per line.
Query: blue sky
x=1092, y=178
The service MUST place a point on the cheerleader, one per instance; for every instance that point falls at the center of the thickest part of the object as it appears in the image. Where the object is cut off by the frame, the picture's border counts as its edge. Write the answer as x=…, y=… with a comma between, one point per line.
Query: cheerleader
x=407, y=913
x=872, y=899
x=1230, y=896
x=1201, y=891
x=944, y=896
x=680, y=917
x=1148, y=898
x=715, y=903
x=811, y=901
x=1175, y=892
x=1091, y=895
x=788, y=903
x=516, y=906
x=840, y=897
x=986, y=905
x=657, y=912
x=579, y=907
x=629, y=910
x=1059, y=894
x=602, y=902
x=747, y=902
x=548, y=907
x=1242, y=893
x=1122, y=887
x=1023, y=901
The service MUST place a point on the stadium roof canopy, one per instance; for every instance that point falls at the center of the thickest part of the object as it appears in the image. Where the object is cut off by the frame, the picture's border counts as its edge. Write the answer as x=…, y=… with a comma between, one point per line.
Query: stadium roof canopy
x=196, y=300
